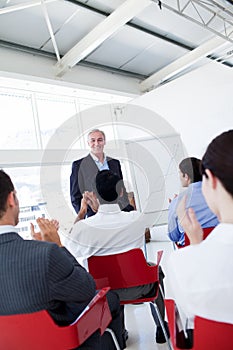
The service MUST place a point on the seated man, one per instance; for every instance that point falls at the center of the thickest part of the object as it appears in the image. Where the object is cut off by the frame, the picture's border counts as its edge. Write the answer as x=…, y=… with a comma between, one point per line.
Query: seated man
x=111, y=231
x=191, y=178
x=40, y=275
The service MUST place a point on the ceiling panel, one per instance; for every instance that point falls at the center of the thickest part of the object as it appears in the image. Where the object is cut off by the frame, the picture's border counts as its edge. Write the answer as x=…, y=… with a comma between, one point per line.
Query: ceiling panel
x=121, y=47
x=75, y=29
x=155, y=58
x=28, y=27
x=172, y=25
x=135, y=51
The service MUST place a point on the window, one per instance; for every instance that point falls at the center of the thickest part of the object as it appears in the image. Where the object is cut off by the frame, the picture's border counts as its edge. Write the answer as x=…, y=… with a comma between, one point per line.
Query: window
x=33, y=113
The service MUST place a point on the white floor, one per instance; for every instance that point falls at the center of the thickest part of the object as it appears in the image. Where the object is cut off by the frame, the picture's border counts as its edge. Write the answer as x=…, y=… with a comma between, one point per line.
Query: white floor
x=139, y=322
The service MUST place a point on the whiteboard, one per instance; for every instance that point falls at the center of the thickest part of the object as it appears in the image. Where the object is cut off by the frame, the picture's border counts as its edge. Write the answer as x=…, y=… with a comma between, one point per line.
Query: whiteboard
x=154, y=170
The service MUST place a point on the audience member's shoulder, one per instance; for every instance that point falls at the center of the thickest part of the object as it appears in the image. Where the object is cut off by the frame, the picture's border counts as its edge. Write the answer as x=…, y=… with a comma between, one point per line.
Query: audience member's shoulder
x=133, y=213
x=41, y=246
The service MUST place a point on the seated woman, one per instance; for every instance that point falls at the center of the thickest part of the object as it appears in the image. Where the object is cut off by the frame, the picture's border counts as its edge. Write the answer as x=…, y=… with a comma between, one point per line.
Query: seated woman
x=201, y=274
x=191, y=178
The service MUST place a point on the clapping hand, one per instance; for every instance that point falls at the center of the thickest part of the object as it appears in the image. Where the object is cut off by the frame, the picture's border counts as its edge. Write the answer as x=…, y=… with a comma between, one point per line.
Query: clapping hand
x=48, y=231
x=171, y=199
x=91, y=200
x=189, y=222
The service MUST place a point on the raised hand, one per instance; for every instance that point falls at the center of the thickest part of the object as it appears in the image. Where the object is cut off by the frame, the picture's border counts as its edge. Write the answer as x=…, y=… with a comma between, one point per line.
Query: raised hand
x=91, y=200
x=48, y=231
x=189, y=222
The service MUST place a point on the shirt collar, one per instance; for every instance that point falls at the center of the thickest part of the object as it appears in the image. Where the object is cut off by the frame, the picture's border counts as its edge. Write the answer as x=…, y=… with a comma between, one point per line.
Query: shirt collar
x=96, y=159
x=196, y=184
x=109, y=208
x=7, y=229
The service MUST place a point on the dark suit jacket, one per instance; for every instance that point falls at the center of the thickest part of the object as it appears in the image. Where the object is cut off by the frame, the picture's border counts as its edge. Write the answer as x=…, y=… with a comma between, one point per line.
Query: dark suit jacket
x=82, y=179
x=39, y=275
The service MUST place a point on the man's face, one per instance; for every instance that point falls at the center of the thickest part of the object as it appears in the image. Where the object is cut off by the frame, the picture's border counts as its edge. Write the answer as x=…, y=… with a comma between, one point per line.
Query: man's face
x=96, y=143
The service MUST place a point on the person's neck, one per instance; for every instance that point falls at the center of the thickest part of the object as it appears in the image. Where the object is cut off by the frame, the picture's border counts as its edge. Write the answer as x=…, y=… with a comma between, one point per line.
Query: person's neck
x=225, y=213
x=7, y=220
x=6, y=223
x=100, y=157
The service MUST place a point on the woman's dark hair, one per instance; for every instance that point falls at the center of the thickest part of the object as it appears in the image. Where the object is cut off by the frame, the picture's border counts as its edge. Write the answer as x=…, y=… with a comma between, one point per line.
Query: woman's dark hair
x=6, y=187
x=218, y=158
x=191, y=167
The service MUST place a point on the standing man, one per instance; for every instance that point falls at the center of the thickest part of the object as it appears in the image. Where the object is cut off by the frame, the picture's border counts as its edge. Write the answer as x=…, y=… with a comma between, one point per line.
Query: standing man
x=85, y=170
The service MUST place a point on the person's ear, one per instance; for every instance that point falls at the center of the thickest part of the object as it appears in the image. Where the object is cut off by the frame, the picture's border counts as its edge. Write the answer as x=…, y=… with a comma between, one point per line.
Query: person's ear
x=187, y=178
x=212, y=179
x=11, y=199
x=121, y=192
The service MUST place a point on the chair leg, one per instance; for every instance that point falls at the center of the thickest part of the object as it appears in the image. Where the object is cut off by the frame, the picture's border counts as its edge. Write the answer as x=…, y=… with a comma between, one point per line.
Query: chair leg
x=156, y=316
x=113, y=338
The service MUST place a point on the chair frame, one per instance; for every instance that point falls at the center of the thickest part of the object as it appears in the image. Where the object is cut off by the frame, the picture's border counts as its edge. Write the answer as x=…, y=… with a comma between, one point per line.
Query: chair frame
x=110, y=270
x=38, y=331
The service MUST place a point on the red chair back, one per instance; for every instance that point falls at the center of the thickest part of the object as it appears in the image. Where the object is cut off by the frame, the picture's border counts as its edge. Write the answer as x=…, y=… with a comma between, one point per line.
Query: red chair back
x=212, y=335
x=206, y=232
x=208, y=334
x=38, y=331
x=171, y=317
x=123, y=270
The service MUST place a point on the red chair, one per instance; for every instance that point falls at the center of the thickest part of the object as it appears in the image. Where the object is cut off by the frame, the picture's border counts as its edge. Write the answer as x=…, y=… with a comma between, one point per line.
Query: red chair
x=212, y=335
x=125, y=270
x=206, y=232
x=208, y=334
x=171, y=316
x=38, y=331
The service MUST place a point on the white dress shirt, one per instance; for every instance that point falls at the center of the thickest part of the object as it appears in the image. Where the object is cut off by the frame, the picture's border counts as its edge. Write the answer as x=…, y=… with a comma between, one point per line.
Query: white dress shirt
x=201, y=276
x=109, y=231
x=7, y=229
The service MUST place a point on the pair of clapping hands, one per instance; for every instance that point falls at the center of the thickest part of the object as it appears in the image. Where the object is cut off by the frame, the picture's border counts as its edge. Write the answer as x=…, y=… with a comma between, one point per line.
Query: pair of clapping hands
x=89, y=198
x=48, y=231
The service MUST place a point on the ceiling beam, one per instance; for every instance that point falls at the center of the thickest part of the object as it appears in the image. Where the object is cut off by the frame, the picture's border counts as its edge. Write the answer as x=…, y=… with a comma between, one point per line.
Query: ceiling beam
x=22, y=6
x=181, y=64
x=135, y=26
x=100, y=33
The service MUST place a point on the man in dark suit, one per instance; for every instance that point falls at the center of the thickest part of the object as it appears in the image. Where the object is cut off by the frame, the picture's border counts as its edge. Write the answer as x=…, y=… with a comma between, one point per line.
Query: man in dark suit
x=37, y=275
x=84, y=172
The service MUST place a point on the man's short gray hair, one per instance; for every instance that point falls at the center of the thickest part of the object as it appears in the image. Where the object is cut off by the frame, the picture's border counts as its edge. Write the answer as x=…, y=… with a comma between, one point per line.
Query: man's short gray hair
x=96, y=130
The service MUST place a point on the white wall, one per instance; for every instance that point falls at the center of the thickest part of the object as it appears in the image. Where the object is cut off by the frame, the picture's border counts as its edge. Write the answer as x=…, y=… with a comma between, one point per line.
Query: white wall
x=199, y=105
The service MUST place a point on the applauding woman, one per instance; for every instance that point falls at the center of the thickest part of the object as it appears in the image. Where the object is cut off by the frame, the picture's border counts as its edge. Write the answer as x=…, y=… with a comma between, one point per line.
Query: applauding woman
x=201, y=274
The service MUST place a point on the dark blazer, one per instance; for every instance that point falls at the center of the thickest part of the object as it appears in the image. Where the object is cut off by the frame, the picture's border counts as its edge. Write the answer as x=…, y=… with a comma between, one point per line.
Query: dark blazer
x=39, y=275
x=82, y=179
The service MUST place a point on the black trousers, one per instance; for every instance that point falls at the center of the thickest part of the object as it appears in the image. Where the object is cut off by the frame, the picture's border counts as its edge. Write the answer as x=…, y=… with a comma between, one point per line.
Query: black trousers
x=146, y=290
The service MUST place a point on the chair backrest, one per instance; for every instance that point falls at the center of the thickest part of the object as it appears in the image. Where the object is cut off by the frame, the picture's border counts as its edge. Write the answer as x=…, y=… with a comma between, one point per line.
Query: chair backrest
x=206, y=232
x=38, y=331
x=208, y=334
x=123, y=270
x=171, y=317
x=212, y=335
